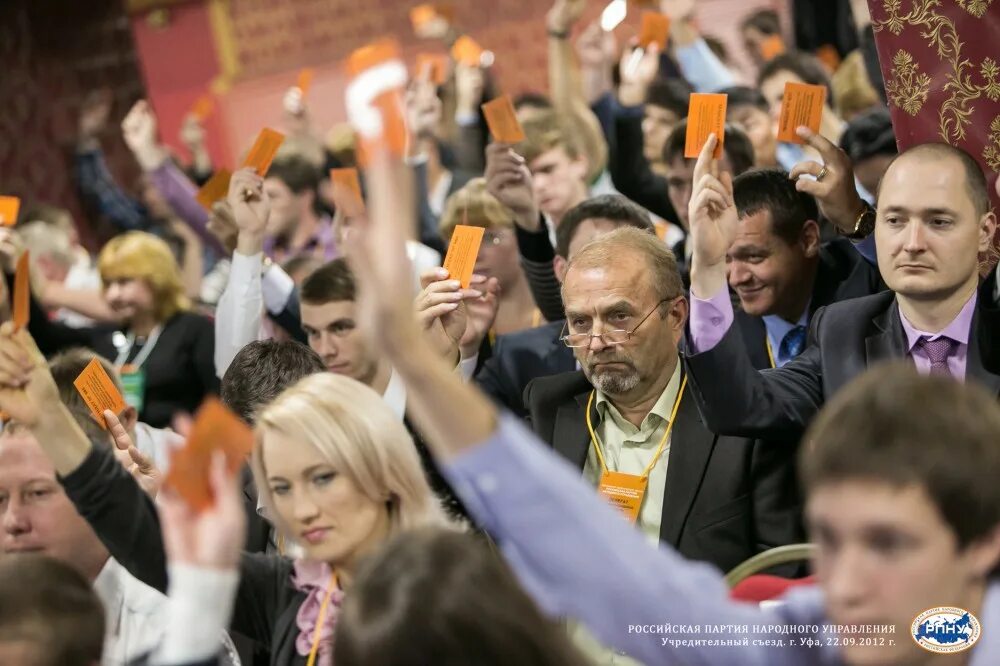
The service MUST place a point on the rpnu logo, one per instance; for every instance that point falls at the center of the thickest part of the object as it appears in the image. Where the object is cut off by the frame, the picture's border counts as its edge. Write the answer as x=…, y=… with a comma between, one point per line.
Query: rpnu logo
x=946, y=629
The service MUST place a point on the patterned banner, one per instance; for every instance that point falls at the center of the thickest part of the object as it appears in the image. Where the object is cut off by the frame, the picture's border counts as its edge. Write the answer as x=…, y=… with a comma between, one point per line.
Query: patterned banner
x=940, y=63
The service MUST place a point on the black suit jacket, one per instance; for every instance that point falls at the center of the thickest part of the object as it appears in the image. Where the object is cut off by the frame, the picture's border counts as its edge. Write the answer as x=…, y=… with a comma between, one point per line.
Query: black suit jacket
x=845, y=339
x=842, y=274
x=726, y=498
x=520, y=357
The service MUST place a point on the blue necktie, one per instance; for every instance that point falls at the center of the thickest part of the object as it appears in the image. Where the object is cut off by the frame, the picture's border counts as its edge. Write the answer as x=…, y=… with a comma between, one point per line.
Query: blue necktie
x=793, y=343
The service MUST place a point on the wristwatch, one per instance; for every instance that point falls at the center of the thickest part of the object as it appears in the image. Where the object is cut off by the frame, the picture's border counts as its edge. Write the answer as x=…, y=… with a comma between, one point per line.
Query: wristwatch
x=864, y=225
x=558, y=34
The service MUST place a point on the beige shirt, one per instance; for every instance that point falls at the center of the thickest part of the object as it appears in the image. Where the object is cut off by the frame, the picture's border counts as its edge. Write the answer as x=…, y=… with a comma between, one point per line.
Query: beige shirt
x=629, y=449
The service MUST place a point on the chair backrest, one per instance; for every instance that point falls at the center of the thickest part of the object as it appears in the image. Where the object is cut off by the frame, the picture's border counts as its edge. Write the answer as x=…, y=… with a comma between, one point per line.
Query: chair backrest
x=746, y=583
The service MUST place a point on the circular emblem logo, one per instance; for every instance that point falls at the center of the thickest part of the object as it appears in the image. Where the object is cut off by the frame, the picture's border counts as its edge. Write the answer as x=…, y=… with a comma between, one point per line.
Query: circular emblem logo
x=945, y=629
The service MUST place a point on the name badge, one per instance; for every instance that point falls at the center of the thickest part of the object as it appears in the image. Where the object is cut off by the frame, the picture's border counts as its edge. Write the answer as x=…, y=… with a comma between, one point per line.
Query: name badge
x=134, y=386
x=624, y=491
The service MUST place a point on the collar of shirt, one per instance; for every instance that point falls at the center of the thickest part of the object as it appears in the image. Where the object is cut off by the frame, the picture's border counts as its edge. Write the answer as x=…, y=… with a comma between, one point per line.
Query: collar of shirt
x=778, y=328
x=437, y=196
x=395, y=394
x=660, y=411
x=957, y=330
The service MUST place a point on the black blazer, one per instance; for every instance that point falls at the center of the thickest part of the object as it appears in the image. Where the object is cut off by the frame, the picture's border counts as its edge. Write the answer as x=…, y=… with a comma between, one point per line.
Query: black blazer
x=726, y=499
x=520, y=357
x=842, y=273
x=845, y=339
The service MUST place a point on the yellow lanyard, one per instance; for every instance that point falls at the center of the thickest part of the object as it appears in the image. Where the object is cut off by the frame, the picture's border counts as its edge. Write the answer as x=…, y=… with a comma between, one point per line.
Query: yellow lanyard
x=663, y=441
x=319, y=620
x=770, y=354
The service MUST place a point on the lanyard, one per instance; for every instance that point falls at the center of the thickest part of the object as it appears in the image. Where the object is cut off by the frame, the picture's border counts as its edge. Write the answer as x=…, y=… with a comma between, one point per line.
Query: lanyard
x=319, y=620
x=770, y=354
x=663, y=441
x=143, y=354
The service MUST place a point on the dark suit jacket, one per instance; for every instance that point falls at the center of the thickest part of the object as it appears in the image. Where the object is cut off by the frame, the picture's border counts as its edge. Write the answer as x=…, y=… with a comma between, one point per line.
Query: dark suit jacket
x=845, y=339
x=842, y=274
x=726, y=498
x=520, y=357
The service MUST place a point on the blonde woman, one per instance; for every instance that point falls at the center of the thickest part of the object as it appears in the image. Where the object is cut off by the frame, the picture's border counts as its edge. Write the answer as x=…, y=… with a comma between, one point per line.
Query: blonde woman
x=163, y=351
x=336, y=471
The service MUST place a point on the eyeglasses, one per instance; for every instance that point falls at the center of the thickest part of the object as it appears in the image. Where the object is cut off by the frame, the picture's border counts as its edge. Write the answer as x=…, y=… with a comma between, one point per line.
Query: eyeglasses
x=615, y=337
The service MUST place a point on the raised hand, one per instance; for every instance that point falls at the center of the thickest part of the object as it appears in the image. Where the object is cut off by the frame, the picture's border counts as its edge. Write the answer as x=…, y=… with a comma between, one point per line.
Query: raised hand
x=139, y=131
x=423, y=108
x=509, y=180
x=250, y=208
x=192, y=134
x=213, y=537
x=94, y=114
x=638, y=68
x=222, y=225
x=27, y=390
x=142, y=469
x=835, y=192
x=564, y=14
x=482, y=312
x=713, y=220
x=453, y=318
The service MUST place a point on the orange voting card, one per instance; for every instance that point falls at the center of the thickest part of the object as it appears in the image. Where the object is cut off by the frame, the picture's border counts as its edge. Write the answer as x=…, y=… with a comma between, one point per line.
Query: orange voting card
x=22, y=292
x=9, y=206
x=264, y=150
x=433, y=67
x=706, y=115
x=422, y=14
x=801, y=105
x=215, y=429
x=347, y=191
x=466, y=51
x=462, y=253
x=382, y=95
x=772, y=47
x=216, y=188
x=304, y=80
x=829, y=56
x=203, y=107
x=655, y=28
x=502, y=120
x=99, y=392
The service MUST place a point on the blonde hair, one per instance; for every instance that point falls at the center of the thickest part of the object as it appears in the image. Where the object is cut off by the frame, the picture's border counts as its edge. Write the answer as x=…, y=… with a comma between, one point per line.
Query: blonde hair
x=852, y=89
x=137, y=255
x=475, y=206
x=546, y=131
x=358, y=434
x=42, y=239
x=607, y=250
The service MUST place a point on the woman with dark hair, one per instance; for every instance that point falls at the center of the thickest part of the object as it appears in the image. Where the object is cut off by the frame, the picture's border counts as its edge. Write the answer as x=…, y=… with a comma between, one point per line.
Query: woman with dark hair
x=440, y=597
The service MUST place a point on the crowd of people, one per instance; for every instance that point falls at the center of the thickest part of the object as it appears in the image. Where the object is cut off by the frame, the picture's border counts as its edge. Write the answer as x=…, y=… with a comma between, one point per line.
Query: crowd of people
x=661, y=368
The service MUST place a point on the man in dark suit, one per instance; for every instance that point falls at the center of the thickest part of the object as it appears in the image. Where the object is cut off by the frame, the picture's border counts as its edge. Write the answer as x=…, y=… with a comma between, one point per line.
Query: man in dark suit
x=780, y=271
x=627, y=412
x=933, y=220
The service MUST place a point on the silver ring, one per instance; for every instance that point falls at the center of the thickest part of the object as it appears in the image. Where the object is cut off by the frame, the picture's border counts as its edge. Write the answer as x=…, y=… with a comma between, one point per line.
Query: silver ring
x=822, y=173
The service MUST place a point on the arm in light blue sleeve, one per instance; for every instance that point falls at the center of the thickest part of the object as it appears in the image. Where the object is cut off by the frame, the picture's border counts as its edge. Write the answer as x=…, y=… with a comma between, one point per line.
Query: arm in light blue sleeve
x=702, y=68
x=579, y=558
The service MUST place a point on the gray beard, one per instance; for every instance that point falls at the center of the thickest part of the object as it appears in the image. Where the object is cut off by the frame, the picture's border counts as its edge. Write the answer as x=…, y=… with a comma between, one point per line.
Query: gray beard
x=615, y=383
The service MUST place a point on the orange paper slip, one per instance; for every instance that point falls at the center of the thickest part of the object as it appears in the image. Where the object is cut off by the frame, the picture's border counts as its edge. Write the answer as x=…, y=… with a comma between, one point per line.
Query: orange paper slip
x=22, y=292
x=304, y=80
x=467, y=51
x=215, y=429
x=9, y=207
x=203, y=108
x=380, y=93
x=422, y=14
x=347, y=191
x=771, y=47
x=801, y=105
x=655, y=29
x=502, y=120
x=462, y=253
x=706, y=115
x=264, y=150
x=216, y=188
x=99, y=392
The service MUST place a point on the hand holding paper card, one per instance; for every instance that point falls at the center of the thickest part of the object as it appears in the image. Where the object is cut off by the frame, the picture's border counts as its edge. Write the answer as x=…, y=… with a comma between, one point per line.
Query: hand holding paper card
x=706, y=115
x=22, y=292
x=9, y=207
x=215, y=429
x=467, y=51
x=462, y=253
x=304, y=80
x=433, y=67
x=502, y=120
x=263, y=151
x=215, y=189
x=801, y=105
x=99, y=392
x=655, y=29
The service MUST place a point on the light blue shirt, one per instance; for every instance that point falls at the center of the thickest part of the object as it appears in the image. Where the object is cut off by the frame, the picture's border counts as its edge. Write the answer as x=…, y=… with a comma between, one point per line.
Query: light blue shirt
x=777, y=329
x=702, y=68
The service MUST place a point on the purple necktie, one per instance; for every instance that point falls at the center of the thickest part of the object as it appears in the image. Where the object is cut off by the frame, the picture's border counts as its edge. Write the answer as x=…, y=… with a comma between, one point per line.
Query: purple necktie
x=938, y=352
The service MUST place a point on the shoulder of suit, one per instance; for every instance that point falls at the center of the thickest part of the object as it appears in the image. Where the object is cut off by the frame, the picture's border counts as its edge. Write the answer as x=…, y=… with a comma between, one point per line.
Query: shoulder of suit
x=854, y=311
x=556, y=389
x=530, y=337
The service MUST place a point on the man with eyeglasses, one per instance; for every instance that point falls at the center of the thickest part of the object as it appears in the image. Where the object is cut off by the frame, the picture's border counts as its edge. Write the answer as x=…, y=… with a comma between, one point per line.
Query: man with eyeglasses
x=628, y=421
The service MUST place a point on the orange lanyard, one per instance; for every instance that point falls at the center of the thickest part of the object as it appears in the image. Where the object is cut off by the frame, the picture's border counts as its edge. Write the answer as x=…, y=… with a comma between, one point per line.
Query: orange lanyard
x=319, y=620
x=663, y=441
